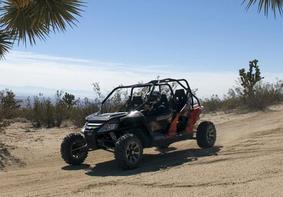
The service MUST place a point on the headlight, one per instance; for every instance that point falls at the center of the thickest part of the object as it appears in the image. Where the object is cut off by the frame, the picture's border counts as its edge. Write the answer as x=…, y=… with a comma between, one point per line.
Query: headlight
x=83, y=128
x=108, y=127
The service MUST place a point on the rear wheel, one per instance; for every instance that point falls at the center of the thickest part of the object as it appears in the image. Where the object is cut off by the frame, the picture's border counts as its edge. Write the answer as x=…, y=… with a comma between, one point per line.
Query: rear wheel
x=206, y=134
x=128, y=151
x=74, y=149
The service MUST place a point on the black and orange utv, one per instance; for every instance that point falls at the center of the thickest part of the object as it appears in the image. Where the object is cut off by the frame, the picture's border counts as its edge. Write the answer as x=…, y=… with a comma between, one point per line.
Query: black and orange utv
x=131, y=118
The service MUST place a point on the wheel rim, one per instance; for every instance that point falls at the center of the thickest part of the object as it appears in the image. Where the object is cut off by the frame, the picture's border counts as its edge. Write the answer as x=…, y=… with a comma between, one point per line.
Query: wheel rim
x=77, y=149
x=210, y=134
x=133, y=152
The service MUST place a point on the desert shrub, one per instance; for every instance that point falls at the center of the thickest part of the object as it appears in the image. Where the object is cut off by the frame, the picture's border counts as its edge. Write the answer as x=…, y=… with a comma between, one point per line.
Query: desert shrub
x=227, y=103
x=46, y=112
x=212, y=104
x=232, y=100
x=251, y=93
x=8, y=104
x=36, y=112
x=61, y=107
x=82, y=109
x=26, y=109
x=255, y=94
x=265, y=94
x=41, y=113
x=60, y=113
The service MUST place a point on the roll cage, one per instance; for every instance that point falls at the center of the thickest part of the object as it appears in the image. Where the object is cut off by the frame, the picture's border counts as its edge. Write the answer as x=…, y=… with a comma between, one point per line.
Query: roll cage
x=152, y=85
x=183, y=83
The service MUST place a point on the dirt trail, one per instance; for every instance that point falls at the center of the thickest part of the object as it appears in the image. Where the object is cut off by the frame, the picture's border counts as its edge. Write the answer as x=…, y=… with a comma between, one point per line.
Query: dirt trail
x=247, y=161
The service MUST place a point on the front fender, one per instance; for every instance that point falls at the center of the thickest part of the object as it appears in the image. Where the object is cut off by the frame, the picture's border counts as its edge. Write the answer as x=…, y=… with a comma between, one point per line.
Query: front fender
x=134, y=119
x=135, y=123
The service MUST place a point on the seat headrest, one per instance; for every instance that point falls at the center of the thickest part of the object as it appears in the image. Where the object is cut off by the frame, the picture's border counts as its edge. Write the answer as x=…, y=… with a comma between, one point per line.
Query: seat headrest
x=154, y=96
x=180, y=93
x=163, y=98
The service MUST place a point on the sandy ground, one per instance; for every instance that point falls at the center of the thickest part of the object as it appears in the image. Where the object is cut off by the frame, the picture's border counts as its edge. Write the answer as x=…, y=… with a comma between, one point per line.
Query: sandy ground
x=246, y=161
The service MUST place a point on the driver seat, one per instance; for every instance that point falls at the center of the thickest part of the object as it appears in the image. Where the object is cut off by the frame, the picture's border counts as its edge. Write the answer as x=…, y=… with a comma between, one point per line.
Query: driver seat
x=180, y=99
x=136, y=101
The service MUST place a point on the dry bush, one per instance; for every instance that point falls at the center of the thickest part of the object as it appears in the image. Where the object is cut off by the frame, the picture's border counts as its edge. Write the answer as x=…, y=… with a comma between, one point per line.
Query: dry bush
x=46, y=112
x=9, y=105
x=212, y=104
x=265, y=94
x=82, y=109
x=252, y=94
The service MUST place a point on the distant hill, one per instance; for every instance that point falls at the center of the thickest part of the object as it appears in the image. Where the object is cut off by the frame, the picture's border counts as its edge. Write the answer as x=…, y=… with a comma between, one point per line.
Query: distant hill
x=22, y=92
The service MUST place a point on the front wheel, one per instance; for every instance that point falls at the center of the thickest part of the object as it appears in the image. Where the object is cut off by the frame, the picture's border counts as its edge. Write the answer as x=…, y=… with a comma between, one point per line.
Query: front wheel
x=206, y=134
x=128, y=151
x=74, y=149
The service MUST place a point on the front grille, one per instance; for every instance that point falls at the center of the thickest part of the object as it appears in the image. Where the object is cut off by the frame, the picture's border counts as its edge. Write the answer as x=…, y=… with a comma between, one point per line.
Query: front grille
x=92, y=126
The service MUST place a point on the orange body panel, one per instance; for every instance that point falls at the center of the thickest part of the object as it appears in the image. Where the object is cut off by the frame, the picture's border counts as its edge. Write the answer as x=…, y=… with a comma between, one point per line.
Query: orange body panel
x=193, y=116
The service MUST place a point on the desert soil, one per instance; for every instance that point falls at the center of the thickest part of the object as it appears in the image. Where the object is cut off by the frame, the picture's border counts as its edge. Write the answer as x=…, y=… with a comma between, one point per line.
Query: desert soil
x=246, y=161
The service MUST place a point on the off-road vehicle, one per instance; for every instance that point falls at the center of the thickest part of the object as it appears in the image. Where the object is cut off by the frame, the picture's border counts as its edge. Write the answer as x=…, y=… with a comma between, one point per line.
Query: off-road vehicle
x=154, y=114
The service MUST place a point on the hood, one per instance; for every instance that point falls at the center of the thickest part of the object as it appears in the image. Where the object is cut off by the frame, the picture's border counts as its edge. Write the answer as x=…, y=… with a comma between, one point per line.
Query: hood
x=105, y=117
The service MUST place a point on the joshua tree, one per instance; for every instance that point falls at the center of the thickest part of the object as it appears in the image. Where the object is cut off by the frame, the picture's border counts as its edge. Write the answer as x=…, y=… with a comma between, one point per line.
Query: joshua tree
x=29, y=20
x=69, y=100
x=250, y=78
x=266, y=5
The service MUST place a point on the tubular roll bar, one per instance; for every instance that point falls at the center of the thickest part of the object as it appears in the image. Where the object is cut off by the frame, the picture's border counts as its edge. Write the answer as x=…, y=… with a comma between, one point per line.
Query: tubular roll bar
x=168, y=80
x=159, y=83
x=129, y=86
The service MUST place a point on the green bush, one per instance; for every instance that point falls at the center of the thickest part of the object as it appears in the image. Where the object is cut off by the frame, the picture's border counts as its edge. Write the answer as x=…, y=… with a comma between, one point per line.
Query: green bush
x=82, y=109
x=252, y=94
x=264, y=95
x=61, y=107
x=9, y=105
x=212, y=104
x=46, y=112
x=41, y=113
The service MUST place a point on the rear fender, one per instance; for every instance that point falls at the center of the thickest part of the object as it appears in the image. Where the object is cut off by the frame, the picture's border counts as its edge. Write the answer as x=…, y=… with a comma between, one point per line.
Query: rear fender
x=193, y=118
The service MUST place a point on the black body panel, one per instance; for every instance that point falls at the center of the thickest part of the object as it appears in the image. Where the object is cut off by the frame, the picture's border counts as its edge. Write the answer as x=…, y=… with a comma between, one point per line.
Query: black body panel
x=159, y=139
x=133, y=119
x=99, y=118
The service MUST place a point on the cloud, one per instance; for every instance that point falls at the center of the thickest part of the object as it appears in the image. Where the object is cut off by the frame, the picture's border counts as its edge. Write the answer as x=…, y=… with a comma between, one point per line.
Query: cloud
x=36, y=72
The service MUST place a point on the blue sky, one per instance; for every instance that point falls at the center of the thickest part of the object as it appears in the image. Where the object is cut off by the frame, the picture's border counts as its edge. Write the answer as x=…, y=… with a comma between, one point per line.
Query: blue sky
x=196, y=38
